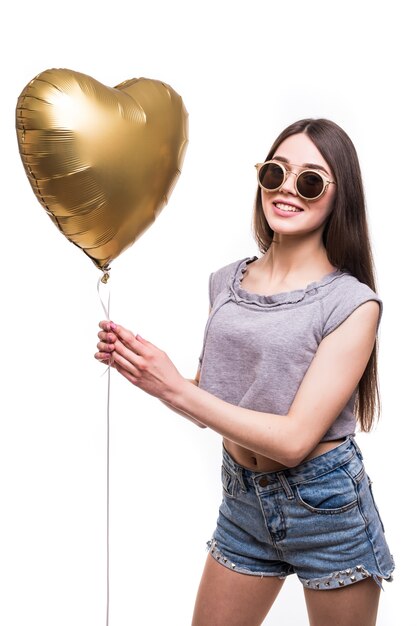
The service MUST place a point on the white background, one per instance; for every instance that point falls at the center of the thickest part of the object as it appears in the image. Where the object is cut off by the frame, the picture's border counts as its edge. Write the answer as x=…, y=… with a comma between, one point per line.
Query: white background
x=245, y=70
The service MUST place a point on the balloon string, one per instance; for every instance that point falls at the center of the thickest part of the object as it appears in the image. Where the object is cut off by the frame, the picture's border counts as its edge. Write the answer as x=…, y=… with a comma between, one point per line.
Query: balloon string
x=106, y=310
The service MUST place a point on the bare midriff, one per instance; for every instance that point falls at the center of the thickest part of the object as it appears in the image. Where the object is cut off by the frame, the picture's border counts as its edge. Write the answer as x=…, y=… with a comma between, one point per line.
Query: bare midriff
x=258, y=463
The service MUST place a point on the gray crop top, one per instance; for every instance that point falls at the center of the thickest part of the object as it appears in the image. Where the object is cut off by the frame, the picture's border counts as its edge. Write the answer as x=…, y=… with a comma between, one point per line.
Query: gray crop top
x=257, y=348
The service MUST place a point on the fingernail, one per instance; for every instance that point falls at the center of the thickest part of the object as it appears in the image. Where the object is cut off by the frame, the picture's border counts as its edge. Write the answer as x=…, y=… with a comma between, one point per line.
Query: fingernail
x=113, y=326
x=138, y=337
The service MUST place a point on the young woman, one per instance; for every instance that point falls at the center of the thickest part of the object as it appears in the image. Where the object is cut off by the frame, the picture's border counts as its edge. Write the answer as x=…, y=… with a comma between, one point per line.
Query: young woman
x=287, y=368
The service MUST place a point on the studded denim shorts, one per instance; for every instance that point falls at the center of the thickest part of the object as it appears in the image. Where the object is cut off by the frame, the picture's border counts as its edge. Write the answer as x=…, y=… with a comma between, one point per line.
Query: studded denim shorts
x=318, y=520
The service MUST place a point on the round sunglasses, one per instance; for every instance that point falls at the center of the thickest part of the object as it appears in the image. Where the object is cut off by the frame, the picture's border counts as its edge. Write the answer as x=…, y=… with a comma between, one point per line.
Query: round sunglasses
x=309, y=184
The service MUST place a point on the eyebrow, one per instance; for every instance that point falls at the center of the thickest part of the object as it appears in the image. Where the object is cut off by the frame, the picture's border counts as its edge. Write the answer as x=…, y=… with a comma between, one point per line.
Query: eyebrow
x=313, y=166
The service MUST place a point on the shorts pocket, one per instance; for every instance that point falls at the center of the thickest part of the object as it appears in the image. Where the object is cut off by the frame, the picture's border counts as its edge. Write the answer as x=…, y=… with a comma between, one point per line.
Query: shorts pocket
x=228, y=482
x=332, y=493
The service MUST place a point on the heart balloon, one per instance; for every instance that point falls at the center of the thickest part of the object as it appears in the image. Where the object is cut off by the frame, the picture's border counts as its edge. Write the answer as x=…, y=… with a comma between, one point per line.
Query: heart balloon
x=102, y=161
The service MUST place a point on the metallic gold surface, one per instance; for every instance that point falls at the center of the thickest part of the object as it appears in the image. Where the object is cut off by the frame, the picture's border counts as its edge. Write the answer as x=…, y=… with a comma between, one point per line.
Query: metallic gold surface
x=102, y=161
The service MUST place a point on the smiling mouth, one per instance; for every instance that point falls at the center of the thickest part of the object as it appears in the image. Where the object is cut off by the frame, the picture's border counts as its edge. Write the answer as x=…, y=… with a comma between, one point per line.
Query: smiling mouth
x=287, y=207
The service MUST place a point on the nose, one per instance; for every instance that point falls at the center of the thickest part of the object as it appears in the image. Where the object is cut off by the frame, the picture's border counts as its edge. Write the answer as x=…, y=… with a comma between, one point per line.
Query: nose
x=289, y=183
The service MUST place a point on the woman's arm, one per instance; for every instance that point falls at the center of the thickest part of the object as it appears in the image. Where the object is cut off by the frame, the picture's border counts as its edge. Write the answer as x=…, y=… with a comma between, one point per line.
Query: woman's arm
x=327, y=386
x=194, y=381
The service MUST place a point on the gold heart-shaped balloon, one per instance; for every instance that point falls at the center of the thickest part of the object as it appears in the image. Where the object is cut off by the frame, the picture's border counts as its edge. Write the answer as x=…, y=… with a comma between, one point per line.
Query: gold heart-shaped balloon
x=102, y=161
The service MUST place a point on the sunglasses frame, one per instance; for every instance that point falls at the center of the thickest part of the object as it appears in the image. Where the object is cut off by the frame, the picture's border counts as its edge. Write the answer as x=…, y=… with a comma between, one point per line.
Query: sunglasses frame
x=287, y=172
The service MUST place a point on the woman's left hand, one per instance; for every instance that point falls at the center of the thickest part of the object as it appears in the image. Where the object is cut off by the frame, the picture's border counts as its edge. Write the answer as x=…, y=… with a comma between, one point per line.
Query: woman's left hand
x=138, y=360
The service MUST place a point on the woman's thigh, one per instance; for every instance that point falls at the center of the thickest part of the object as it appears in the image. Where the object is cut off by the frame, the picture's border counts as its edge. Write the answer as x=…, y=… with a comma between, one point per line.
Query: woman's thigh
x=353, y=605
x=228, y=598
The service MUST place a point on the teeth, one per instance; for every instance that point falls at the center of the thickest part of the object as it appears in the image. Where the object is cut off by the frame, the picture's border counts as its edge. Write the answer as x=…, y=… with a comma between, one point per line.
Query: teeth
x=286, y=207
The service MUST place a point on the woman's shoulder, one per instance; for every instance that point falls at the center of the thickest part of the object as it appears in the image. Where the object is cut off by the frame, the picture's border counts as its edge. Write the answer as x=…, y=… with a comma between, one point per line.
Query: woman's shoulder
x=222, y=277
x=343, y=296
x=346, y=286
x=230, y=268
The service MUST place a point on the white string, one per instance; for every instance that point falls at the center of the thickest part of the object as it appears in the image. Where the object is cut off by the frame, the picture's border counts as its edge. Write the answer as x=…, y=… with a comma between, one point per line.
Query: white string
x=106, y=310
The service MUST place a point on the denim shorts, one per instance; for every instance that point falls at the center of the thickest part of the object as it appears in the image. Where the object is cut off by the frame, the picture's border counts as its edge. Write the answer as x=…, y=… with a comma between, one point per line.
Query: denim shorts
x=318, y=520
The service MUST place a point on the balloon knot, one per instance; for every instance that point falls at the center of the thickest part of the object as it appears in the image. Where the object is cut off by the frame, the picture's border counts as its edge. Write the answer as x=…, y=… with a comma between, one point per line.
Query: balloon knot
x=105, y=277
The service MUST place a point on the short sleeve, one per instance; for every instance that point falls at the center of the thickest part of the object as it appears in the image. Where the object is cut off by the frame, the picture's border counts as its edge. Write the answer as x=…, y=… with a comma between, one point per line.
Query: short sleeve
x=343, y=301
x=211, y=290
x=220, y=279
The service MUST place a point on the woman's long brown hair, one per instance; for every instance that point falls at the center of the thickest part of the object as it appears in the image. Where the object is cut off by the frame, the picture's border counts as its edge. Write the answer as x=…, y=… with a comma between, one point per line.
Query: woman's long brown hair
x=345, y=236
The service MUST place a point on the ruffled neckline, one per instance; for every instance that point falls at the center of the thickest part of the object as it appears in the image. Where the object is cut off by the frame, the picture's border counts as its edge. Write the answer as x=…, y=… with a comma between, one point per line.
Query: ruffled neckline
x=285, y=297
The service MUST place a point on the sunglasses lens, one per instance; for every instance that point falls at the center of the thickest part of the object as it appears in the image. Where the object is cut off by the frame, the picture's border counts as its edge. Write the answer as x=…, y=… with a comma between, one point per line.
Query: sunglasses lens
x=310, y=185
x=271, y=176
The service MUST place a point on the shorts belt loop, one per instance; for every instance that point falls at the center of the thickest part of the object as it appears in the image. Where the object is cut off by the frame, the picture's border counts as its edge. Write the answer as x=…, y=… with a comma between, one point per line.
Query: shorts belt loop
x=286, y=485
x=358, y=450
x=240, y=479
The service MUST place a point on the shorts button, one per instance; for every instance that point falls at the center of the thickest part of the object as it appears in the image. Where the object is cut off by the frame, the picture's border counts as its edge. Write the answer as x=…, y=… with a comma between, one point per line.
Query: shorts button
x=264, y=482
